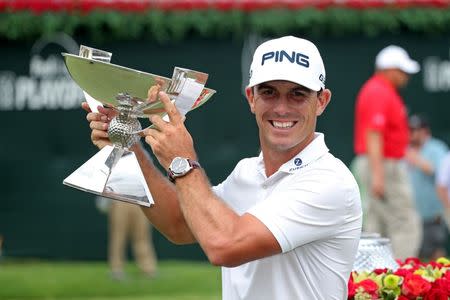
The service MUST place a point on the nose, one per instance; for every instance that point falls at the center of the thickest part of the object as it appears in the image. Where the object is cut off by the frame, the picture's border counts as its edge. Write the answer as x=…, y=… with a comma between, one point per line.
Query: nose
x=281, y=106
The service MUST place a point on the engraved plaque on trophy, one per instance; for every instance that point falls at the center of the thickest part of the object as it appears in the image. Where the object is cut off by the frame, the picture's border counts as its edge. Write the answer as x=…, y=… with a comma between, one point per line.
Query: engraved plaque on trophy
x=114, y=172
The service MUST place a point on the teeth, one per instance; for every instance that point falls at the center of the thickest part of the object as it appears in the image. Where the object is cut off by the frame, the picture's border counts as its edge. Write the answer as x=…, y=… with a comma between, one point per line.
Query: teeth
x=277, y=124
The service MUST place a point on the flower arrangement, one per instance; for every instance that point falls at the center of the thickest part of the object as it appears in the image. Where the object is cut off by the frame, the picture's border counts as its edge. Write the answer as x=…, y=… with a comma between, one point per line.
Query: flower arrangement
x=412, y=280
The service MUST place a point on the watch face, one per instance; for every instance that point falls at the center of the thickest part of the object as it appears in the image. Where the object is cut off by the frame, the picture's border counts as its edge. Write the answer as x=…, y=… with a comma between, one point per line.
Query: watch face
x=179, y=165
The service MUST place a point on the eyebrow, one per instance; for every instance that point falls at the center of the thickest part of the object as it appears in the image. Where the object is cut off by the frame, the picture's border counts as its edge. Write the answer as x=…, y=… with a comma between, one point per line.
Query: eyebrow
x=264, y=86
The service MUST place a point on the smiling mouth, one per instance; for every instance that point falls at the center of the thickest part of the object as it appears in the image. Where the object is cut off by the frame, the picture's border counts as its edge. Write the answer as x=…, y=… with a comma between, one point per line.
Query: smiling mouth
x=283, y=125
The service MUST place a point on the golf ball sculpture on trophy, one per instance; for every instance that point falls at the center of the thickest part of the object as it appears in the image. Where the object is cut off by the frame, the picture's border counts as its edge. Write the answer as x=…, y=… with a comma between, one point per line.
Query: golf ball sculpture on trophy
x=114, y=172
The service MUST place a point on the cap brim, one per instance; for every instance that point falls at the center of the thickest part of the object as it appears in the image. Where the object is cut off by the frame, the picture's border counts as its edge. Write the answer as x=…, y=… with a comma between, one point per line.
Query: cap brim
x=410, y=67
x=298, y=79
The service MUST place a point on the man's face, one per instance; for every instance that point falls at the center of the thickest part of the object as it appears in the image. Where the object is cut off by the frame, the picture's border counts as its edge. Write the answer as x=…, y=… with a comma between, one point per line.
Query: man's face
x=401, y=78
x=418, y=136
x=286, y=114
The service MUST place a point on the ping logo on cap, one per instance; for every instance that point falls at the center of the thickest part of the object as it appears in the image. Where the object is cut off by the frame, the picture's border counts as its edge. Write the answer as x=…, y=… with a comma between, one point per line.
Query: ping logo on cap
x=278, y=56
x=322, y=78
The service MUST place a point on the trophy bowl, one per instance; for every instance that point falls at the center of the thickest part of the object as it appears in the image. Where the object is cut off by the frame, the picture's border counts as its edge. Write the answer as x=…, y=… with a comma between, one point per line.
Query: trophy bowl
x=114, y=171
x=374, y=252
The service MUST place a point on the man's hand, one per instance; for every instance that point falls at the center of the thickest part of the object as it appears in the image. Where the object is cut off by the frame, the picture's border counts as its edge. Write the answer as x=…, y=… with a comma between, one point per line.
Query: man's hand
x=169, y=139
x=377, y=186
x=412, y=156
x=99, y=123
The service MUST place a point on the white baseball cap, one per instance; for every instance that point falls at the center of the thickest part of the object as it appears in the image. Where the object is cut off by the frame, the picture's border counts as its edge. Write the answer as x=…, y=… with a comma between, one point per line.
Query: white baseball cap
x=288, y=58
x=395, y=57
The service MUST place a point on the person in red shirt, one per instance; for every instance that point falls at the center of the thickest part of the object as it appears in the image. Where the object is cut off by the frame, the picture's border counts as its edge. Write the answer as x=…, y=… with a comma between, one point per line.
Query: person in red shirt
x=381, y=139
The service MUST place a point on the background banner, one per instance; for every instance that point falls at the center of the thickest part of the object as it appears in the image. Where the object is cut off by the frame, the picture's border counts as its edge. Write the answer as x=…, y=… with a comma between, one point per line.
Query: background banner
x=45, y=135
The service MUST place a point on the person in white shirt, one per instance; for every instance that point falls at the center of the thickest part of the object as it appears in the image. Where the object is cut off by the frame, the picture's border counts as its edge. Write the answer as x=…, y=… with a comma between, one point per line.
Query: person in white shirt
x=283, y=225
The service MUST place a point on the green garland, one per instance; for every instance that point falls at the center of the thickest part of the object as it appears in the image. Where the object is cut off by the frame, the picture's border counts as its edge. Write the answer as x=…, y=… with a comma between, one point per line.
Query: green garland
x=163, y=26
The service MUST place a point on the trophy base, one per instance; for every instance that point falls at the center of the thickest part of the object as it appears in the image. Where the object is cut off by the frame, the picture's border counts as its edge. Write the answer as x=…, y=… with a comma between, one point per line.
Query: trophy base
x=113, y=173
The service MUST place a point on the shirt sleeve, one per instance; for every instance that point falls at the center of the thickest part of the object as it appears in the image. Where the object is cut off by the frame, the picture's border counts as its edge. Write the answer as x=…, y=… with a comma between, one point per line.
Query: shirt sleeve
x=376, y=104
x=308, y=210
x=436, y=157
x=443, y=173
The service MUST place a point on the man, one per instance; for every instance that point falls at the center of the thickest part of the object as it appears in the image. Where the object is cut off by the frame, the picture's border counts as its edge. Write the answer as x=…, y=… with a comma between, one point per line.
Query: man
x=381, y=139
x=424, y=156
x=283, y=225
x=443, y=186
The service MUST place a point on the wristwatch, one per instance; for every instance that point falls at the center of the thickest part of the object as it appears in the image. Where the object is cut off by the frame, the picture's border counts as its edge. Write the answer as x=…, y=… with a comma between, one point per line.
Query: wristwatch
x=180, y=166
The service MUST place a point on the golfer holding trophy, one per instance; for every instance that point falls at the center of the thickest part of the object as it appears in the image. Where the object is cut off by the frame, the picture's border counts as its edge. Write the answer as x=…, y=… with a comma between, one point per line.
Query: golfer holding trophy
x=284, y=224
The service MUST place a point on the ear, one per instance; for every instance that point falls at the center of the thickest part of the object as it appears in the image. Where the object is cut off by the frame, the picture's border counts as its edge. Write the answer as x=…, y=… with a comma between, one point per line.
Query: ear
x=250, y=98
x=324, y=99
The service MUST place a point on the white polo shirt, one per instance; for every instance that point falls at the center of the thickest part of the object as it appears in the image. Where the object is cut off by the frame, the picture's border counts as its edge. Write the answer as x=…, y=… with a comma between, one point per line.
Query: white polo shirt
x=312, y=207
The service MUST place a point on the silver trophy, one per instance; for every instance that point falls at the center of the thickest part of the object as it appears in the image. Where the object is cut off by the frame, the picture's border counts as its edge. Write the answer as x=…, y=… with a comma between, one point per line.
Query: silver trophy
x=114, y=172
x=374, y=252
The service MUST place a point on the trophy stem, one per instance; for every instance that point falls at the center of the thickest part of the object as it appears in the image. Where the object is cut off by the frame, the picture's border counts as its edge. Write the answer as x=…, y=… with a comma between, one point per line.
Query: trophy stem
x=114, y=157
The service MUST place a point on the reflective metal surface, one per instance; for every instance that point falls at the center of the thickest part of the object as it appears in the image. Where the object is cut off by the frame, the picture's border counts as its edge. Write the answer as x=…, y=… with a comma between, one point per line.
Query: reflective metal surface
x=374, y=252
x=126, y=90
x=104, y=81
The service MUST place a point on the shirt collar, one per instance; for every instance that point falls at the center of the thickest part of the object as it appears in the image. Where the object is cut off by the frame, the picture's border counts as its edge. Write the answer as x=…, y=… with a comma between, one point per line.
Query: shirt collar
x=316, y=149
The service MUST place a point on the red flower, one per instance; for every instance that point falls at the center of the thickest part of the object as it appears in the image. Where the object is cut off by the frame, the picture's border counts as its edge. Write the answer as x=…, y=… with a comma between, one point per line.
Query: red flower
x=447, y=274
x=380, y=271
x=403, y=272
x=436, y=294
x=435, y=264
x=351, y=288
x=401, y=297
x=369, y=286
x=442, y=284
x=412, y=261
x=415, y=286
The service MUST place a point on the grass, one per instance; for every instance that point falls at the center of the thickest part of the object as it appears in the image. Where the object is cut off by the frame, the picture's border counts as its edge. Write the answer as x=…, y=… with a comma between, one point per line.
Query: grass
x=176, y=280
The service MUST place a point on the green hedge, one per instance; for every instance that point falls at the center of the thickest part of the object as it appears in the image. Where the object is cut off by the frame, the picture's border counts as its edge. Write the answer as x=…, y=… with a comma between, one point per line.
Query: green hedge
x=162, y=25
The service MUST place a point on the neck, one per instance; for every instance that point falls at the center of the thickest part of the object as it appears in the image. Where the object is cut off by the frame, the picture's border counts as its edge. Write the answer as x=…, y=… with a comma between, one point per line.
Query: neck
x=274, y=159
x=387, y=74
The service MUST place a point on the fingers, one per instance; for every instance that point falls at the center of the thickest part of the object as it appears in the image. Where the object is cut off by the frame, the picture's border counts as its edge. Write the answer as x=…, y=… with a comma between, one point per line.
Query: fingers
x=109, y=112
x=97, y=117
x=94, y=125
x=153, y=134
x=158, y=122
x=99, y=135
x=172, y=111
x=152, y=93
x=152, y=137
x=85, y=106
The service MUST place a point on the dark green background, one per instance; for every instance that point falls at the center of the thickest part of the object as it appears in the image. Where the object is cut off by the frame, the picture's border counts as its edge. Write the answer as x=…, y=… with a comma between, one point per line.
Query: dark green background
x=39, y=217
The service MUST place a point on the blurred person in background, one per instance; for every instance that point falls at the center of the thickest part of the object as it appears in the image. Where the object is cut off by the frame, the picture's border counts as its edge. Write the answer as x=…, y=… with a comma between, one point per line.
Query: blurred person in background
x=443, y=186
x=127, y=223
x=380, y=142
x=424, y=156
x=284, y=224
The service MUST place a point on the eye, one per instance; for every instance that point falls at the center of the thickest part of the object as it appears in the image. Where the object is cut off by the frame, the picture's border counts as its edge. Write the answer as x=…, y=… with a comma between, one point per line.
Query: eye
x=267, y=92
x=299, y=95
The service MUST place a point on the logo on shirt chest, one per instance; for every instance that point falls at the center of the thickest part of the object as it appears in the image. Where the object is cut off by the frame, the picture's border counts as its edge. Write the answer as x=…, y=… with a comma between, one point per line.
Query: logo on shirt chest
x=298, y=164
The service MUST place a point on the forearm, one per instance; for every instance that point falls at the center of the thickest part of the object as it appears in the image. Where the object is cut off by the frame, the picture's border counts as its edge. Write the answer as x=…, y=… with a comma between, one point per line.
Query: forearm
x=210, y=219
x=375, y=153
x=165, y=214
x=425, y=166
